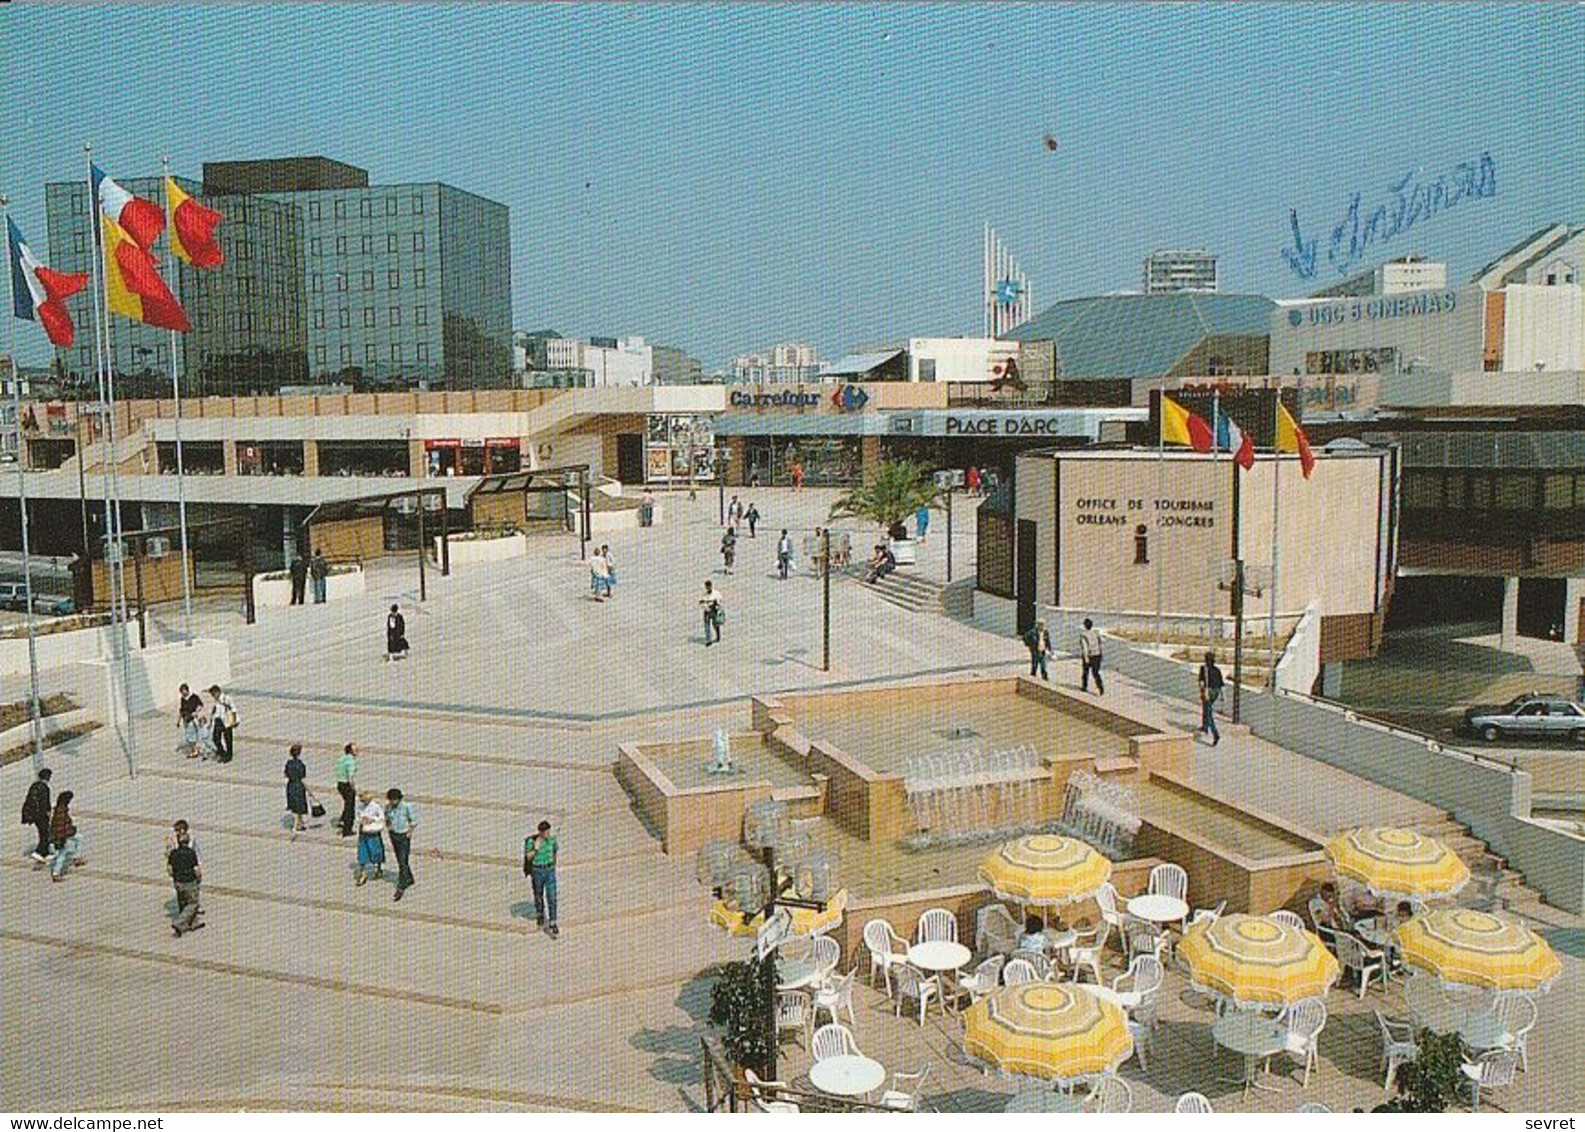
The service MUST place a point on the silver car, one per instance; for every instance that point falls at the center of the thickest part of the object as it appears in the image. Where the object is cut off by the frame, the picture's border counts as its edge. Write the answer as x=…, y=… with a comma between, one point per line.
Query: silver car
x=1529, y=716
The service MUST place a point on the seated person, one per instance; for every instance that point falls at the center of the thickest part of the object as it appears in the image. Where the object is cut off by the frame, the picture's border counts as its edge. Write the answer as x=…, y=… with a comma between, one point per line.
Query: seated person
x=883, y=563
x=1326, y=910
x=1034, y=937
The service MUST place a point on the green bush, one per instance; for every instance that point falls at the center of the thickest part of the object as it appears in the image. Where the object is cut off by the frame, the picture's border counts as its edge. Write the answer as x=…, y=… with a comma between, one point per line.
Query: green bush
x=739, y=1008
x=1434, y=1080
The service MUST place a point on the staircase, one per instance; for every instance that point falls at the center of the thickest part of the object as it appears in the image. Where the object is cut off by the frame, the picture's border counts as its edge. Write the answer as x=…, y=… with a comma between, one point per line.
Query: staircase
x=902, y=588
x=1509, y=889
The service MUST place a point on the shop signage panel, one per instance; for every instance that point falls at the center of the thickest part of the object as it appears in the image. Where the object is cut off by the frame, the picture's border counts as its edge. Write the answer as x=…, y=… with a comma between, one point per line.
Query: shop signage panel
x=1006, y=425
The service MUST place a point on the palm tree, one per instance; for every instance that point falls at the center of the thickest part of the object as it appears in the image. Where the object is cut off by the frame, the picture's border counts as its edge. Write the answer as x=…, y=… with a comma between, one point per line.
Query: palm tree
x=897, y=490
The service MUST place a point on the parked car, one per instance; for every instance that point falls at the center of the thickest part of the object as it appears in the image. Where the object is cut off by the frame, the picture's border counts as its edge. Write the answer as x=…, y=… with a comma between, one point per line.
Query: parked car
x=1528, y=716
x=57, y=605
x=13, y=595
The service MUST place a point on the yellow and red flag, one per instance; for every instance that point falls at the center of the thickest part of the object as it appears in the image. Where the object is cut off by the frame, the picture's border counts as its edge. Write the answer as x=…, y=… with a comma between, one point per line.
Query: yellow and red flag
x=192, y=228
x=133, y=284
x=1179, y=426
x=1291, y=438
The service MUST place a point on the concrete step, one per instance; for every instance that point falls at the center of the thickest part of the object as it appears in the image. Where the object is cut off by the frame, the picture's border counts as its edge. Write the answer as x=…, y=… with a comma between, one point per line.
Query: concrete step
x=1119, y=766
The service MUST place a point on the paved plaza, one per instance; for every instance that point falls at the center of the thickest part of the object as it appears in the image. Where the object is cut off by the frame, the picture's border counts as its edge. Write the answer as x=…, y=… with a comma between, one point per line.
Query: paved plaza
x=309, y=992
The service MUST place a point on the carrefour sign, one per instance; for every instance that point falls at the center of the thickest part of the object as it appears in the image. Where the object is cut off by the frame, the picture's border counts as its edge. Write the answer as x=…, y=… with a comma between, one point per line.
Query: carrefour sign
x=1373, y=309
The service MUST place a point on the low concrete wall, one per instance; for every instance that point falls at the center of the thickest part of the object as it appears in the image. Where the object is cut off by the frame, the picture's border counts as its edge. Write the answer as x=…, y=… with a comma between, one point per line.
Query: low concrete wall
x=154, y=674
x=272, y=592
x=1300, y=665
x=466, y=551
x=685, y=819
x=60, y=721
x=57, y=649
x=870, y=805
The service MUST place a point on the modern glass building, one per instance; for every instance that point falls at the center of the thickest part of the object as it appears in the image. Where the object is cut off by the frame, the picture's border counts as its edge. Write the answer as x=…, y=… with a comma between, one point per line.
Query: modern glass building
x=248, y=331
x=327, y=280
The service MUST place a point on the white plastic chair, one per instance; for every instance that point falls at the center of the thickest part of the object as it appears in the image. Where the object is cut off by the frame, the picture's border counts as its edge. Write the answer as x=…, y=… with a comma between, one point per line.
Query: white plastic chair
x=1106, y=901
x=936, y=924
x=794, y=1012
x=1139, y=1031
x=827, y=953
x=1088, y=956
x=1366, y=961
x=1169, y=880
x=1304, y=1020
x=912, y=984
x=832, y=1040
x=995, y=930
x=1038, y=960
x=886, y=948
x=1398, y=1046
x=1516, y=1012
x=1144, y=938
x=1111, y=1094
x=1017, y=972
x=1491, y=1070
x=984, y=979
x=1290, y=919
x=762, y=1094
x=1193, y=1103
x=905, y=1091
x=1202, y=915
x=836, y=996
x=1143, y=977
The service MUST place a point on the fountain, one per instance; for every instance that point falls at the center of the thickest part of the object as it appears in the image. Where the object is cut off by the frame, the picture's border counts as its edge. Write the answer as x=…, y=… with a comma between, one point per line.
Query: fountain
x=966, y=795
x=1104, y=814
x=722, y=763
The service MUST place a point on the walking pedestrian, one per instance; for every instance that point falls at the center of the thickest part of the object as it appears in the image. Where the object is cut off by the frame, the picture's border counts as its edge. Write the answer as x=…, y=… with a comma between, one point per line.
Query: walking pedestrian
x=223, y=724
x=797, y=475
x=598, y=575
x=1211, y=684
x=751, y=517
x=347, y=787
x=610, y=569
x=922, y=522
x=371, y=838
x=396, y=646
x=646, y=509
x=63, y=835
x=319, y=572
x=399, y=823
x=180, y=829
x=973, y=479
x=784, y=554
x=734, y=513
x=710, y=605
x=187, y=875
x=299, y=572
x=728, y=549
x=539, y=865
x=36, y=813
x=296, y=791
x=1038, y=641
x=1090, y=657
x=189, y=712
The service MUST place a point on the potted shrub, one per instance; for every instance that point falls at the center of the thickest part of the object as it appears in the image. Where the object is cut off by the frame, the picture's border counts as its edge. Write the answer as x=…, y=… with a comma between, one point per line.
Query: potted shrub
x=891, y=496
x=740, y=1009
x=1434, y=1079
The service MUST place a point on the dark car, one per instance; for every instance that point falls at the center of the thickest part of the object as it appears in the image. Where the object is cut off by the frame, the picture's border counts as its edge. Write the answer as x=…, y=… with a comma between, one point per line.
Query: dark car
x=13, y=595
x=1529, y=716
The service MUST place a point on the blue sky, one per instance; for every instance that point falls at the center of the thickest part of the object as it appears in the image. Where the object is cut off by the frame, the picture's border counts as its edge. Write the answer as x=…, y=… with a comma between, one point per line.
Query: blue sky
x=724, y=177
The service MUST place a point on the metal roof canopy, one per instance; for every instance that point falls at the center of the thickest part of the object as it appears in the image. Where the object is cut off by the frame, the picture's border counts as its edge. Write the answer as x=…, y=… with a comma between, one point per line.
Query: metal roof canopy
x=543, y=480
x=369, y=505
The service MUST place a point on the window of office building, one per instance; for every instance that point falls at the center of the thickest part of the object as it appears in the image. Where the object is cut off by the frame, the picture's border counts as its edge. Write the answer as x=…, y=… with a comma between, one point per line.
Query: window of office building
x=367, y=245
x=390, y=206
x=1515, y=493
x=344, y=317
x=79, y=241
x=341, y=210
x=341, y=245
x=420, y=281
x=341, y=280
x=396, y=351
x=313, y=210
x=394, y=279
x=396, y=316
x=390, y=242
x=319, y=355
x=366, y=208
x=319, y=319
x=1557, y=492
x=418, y=241
x=368, y=280
x=315, y=246
x=316, y=283
x=421, y=351
x=420, y=316
x=418, y=205
x=346, y=355
x=368, y=317
x=244, y=249
x=371, y=353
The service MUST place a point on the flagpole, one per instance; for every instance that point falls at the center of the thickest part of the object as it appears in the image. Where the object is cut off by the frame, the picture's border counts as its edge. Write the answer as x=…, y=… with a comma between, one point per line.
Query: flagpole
x=113, y=575
x=35, y=708
x=176, y=394
x=1161, y=465
x=1276, y=541
x=1216, y=469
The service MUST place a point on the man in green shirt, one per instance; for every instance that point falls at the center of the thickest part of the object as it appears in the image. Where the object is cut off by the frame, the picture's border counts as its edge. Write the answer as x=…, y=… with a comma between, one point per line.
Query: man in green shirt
x=347, y=787
x=539, y=865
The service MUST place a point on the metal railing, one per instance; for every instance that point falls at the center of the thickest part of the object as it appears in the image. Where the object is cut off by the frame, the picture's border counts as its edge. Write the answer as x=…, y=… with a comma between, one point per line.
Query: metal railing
x=1431, y=743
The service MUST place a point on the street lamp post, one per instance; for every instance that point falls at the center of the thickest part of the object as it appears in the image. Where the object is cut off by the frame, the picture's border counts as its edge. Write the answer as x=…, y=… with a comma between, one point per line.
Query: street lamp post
x=825, y=600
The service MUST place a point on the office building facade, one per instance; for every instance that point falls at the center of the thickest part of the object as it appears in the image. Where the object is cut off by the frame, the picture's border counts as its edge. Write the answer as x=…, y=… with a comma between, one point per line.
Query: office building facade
x=1170, y=271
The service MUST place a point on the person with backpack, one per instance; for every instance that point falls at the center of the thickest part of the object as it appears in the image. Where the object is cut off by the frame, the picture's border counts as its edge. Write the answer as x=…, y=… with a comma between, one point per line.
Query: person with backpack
x=1211, y=685
x=36, y=813
x=1038, y=641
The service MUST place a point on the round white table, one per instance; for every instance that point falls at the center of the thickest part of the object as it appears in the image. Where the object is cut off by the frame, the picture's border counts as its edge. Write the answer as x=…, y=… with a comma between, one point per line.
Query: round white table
x=1158, y=909
x=796, y=974
x=849, y=1075
x=937, y=957
x=1127, y=1000
x=1044, y=1100
x=1253, y=1035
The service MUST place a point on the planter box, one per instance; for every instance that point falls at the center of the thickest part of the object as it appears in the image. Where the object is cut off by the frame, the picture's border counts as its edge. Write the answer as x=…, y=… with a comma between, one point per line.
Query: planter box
x=626, y=519
x=905, y=550
x=467, y=551
x=278, y=591
x=154, y=675
x=57, y=649
x=60, y=721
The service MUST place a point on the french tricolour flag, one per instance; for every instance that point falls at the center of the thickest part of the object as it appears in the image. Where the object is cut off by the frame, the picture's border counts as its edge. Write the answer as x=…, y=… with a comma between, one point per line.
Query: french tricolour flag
x=141, y=219
x=38, y=293
x=1231, y=438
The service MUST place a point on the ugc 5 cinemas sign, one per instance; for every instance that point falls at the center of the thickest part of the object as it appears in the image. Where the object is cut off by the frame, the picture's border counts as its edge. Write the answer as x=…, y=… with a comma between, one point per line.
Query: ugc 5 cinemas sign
x=1374, y=309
